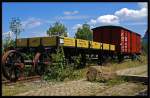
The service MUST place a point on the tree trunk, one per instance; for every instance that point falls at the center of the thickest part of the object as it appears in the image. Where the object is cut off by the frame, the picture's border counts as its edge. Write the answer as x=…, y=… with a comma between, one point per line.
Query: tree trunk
x=98, y=73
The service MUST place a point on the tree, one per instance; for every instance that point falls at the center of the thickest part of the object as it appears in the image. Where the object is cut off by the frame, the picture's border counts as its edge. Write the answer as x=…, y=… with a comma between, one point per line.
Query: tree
x=84, y=32
x=16, y=26
x=145, y=42
x=57, y=29
x=7, y=44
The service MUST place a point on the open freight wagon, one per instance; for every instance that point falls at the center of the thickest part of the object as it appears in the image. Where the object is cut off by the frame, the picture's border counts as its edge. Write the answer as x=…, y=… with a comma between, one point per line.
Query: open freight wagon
x=43, y=47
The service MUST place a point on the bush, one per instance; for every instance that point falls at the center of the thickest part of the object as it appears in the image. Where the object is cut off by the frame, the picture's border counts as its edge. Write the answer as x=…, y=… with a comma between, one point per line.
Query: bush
x=145, y=46
x=28, y=55
x=60, y=69
x=77, y=61
x=116, y=81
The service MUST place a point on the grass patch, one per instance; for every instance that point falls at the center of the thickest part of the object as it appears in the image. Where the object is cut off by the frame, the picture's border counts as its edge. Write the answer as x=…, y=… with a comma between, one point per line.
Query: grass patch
x=127, y=63
x=116, y=81
x=78, y=74
x=114, y=66
x=68, y=73
x=112, y=82
x=64, y=73
x=15, y=89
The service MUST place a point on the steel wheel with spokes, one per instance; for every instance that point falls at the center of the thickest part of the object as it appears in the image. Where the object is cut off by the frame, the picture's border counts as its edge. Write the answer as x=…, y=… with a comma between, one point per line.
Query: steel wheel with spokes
x=12, y=65
x=42, y=60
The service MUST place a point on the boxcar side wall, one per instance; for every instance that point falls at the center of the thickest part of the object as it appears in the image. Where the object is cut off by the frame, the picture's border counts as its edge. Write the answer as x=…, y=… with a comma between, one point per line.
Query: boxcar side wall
x=97, y=36
x=129, y=42
x=125, y=41
x=111, y=36
x=133, y=41
x=138, y=44
x=116, y=38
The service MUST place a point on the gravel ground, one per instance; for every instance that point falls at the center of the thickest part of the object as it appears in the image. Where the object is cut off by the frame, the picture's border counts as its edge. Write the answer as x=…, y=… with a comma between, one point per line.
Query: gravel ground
x=142, y=93
x=124, y=89
x=141, y=71
x=70, y=88
x=83, y=87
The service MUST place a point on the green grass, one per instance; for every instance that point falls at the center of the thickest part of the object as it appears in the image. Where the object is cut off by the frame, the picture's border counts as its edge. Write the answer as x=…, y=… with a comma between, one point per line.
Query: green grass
x=78, y=74
x=116, y=81
x=15, y=89
x=127, y=63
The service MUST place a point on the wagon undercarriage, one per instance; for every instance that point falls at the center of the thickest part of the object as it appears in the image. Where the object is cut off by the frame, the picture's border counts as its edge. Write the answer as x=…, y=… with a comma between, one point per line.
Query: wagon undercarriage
x=14, y=61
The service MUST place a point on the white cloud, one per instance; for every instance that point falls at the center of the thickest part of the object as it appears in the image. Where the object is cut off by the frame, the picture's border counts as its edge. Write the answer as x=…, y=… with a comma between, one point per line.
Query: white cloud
x=75, y=27
x=108, y=19
x=135, y=23
x=48, y=21
x=143, y=5
x=122, y=14
x=31, y=23
x=105, y=19
x=39, y=34
x=34, y=22
x=93, y=21
x=8, y=34
x=71, y=12
x=68, y=34
x=72, y=17
x=126, y=13
x=91, y=27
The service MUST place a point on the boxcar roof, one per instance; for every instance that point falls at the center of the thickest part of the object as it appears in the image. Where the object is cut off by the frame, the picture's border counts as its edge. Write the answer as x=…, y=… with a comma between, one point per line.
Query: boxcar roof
x=111, y=26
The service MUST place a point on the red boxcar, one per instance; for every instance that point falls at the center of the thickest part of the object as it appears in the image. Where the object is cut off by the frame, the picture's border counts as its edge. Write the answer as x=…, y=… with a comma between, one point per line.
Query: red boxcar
x=126, y=41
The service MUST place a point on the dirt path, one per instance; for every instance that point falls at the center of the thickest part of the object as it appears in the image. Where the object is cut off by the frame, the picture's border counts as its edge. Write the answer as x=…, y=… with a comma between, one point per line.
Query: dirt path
x=124, y=89
x=72, y=88
x=86, y=88
x=141, y=71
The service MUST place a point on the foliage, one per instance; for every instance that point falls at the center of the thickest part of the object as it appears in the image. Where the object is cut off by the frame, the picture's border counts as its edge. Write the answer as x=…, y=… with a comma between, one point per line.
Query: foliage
x=60, y=69
x=28, y=55
x=57, y=29
x=77, y=61
x=7, y=44
x=78, y=74
x=116, y=81
x=84, y=32
x=16, y=26
x=145, y=46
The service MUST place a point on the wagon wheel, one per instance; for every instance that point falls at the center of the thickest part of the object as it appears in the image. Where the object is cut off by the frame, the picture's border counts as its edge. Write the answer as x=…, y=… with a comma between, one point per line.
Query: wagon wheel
x=12, y=65
x=41, y=62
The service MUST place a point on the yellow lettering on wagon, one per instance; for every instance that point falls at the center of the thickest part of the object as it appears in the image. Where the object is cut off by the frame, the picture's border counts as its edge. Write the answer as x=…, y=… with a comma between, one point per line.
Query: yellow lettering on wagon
x=105, y=46
x=69, y=42
x=112, y=47
x=82, y=43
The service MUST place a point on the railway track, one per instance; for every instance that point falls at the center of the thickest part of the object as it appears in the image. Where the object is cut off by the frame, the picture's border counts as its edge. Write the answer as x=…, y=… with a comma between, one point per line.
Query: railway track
x=24, y=80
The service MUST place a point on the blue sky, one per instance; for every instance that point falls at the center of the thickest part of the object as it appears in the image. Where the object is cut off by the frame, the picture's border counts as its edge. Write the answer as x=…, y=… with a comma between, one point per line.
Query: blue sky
x=37, y=17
